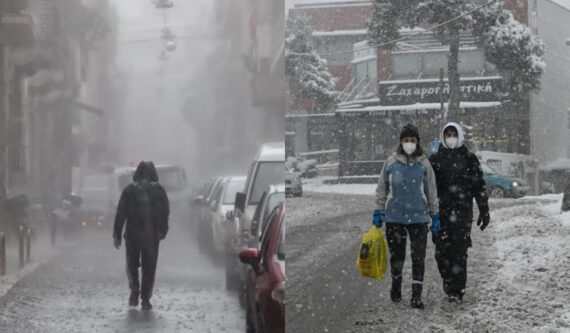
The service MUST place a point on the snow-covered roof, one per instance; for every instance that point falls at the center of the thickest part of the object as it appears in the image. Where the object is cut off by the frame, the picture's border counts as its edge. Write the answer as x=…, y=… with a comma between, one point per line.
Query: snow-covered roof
x=331, y=3
x=356, y=32
x=419, y=106
x=363, y=59
x=473, y=78
x=309, y=115
x=558, y=164
x=562, y=3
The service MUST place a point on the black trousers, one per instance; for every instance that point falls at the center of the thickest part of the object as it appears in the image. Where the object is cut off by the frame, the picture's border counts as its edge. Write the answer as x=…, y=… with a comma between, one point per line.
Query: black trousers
x=396, y=235
x=142, y=253
x=451, y=245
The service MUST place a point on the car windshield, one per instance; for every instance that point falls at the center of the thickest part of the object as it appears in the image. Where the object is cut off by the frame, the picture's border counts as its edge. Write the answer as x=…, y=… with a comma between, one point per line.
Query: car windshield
x=233, y=187
x=171, y=179
x=487, y=169
x=268, y=173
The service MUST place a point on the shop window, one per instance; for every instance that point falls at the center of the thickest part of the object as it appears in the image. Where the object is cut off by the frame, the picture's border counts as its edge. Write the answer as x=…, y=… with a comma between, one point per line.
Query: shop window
x=406, y=65
x=471, y=62
x=433, y=62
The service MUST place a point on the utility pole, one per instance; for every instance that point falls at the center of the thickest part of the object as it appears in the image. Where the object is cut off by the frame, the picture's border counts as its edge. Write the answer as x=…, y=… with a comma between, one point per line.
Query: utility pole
x=3, y=118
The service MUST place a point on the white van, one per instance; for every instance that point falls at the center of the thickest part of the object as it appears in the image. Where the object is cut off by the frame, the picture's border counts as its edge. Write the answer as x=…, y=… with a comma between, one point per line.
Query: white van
x=266, y=169
x=171, y=177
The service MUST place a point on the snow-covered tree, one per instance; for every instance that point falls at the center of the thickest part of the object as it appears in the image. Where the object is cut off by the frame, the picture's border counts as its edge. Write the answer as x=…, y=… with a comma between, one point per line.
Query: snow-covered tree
x=306, y=73
x=508, y=44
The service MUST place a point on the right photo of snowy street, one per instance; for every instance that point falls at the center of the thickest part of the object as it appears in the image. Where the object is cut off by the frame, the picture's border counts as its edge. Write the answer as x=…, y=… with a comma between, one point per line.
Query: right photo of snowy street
x=427, y=165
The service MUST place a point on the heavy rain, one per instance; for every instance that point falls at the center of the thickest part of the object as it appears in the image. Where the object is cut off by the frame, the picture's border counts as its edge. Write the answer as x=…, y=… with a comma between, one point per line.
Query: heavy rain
x=93, y=236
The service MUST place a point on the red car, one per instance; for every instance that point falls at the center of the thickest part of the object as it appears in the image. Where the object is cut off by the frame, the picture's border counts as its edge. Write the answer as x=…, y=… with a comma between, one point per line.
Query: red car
x=265, y=279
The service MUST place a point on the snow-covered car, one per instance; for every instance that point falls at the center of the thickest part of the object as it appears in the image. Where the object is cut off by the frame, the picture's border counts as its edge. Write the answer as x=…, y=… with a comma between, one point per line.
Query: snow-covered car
x=265, y=278
x=293, y=184
x=499, y=186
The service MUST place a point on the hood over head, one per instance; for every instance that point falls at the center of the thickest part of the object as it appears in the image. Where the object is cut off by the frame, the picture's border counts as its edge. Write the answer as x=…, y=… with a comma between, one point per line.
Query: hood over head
x=460, y=136
x=145, y=171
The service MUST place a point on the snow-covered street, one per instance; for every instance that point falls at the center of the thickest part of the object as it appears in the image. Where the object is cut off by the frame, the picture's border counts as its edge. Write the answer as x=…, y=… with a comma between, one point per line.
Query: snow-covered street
x=84, y=289
x=518, y=271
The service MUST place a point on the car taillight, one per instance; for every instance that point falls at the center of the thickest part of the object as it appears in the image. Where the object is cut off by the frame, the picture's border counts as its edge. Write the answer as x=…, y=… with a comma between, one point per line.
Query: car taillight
x=278, y=293
x=99, y=223
x=83, y=223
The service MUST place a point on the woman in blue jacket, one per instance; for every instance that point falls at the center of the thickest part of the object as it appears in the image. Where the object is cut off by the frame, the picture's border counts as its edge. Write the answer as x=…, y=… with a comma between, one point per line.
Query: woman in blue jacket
x=406, y=200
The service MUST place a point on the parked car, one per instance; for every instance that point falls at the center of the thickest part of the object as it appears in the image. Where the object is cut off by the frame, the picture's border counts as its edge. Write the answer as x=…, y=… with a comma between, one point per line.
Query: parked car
x=204, y=229
x=265, y=281
x=499, y=186
x=293, y=184
x=223, y=202
x=249, y=238
x=266, y=169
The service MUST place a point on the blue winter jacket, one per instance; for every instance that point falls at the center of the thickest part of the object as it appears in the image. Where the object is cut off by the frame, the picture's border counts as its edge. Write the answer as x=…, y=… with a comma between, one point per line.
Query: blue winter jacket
x=407, y=191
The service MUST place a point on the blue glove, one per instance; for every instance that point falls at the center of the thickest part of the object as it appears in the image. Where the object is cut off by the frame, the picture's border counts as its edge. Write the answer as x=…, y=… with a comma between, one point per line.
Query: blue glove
x=435, y=224
x=377, y=218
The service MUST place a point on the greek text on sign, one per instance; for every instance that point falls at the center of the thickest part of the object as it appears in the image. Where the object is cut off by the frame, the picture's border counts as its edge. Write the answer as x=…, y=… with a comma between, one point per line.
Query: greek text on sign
x=428, y=91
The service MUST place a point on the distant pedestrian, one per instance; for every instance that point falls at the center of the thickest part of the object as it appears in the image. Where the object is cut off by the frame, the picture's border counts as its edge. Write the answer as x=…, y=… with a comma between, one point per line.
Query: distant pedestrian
x=144, y=207
x=459, y=180
x=406, y=200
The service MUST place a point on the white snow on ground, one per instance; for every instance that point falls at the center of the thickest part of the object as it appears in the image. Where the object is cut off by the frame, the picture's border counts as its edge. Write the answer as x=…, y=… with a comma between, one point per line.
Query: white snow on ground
x=522, y=279
x=316, y=185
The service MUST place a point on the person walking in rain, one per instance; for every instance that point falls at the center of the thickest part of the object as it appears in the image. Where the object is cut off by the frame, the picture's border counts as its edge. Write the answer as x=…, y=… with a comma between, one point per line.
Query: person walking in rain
x=406, y=200
x=459, y=179
x=144, y=208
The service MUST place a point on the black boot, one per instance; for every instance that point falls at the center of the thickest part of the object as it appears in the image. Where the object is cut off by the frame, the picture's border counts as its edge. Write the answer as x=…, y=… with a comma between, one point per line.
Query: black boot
x=396, y=290
x=417, y=296
x=134, y=298
x=455, y=298
x=146, y=305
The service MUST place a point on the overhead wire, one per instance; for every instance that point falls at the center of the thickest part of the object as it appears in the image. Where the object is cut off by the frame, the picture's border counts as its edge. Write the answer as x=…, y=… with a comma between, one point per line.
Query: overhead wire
x=395, y=40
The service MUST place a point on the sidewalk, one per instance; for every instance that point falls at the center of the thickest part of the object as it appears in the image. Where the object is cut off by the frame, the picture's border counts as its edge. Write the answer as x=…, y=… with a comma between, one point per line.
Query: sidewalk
x=41, y=252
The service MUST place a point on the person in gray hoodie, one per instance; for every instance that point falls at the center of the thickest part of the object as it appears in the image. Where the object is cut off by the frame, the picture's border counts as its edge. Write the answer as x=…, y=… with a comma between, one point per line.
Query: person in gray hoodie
x=406, y=200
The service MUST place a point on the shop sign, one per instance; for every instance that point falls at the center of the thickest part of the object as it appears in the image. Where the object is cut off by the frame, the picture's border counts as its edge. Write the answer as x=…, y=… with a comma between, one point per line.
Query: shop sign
x=407, y=92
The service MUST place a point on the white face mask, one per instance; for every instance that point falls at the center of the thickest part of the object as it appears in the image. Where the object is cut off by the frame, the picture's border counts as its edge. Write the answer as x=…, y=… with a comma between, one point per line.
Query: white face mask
x=409, y=147
x=451, y=142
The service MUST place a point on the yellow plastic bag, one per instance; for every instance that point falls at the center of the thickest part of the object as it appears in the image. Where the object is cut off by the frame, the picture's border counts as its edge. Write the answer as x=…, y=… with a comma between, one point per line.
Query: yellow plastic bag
x=372, y=255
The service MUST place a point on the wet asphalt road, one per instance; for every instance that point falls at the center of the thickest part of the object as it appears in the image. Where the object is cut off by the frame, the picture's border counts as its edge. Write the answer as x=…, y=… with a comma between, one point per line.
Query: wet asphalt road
x=85, y=289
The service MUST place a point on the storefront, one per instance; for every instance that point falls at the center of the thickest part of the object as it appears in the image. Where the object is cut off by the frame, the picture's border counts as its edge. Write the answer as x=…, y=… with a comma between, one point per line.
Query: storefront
x=369, y=132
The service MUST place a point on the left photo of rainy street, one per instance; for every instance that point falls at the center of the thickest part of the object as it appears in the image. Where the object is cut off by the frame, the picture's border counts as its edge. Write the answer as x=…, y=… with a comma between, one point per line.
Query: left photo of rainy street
x=141, y=166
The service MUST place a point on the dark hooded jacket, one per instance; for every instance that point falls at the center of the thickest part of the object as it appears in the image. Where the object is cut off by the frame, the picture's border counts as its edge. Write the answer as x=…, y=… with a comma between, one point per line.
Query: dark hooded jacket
x=143, y=206
x=459, y=179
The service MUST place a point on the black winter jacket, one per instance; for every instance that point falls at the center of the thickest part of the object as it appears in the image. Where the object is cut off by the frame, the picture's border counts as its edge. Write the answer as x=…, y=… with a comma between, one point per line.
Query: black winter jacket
x=129, y=211
x=459, y=179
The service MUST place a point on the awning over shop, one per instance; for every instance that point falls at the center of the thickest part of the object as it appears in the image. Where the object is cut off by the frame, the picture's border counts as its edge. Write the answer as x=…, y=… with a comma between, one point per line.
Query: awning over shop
x=418, y=106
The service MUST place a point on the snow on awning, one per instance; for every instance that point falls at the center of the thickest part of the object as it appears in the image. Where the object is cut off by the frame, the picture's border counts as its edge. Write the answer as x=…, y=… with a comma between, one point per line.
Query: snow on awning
x=340, y=33
x=309, y=115
x=420, y=106
x=363, y=59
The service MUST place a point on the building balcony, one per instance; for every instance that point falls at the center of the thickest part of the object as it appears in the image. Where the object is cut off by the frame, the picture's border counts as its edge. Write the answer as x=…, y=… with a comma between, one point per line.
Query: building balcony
x=19, y=30
x=14, y=6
